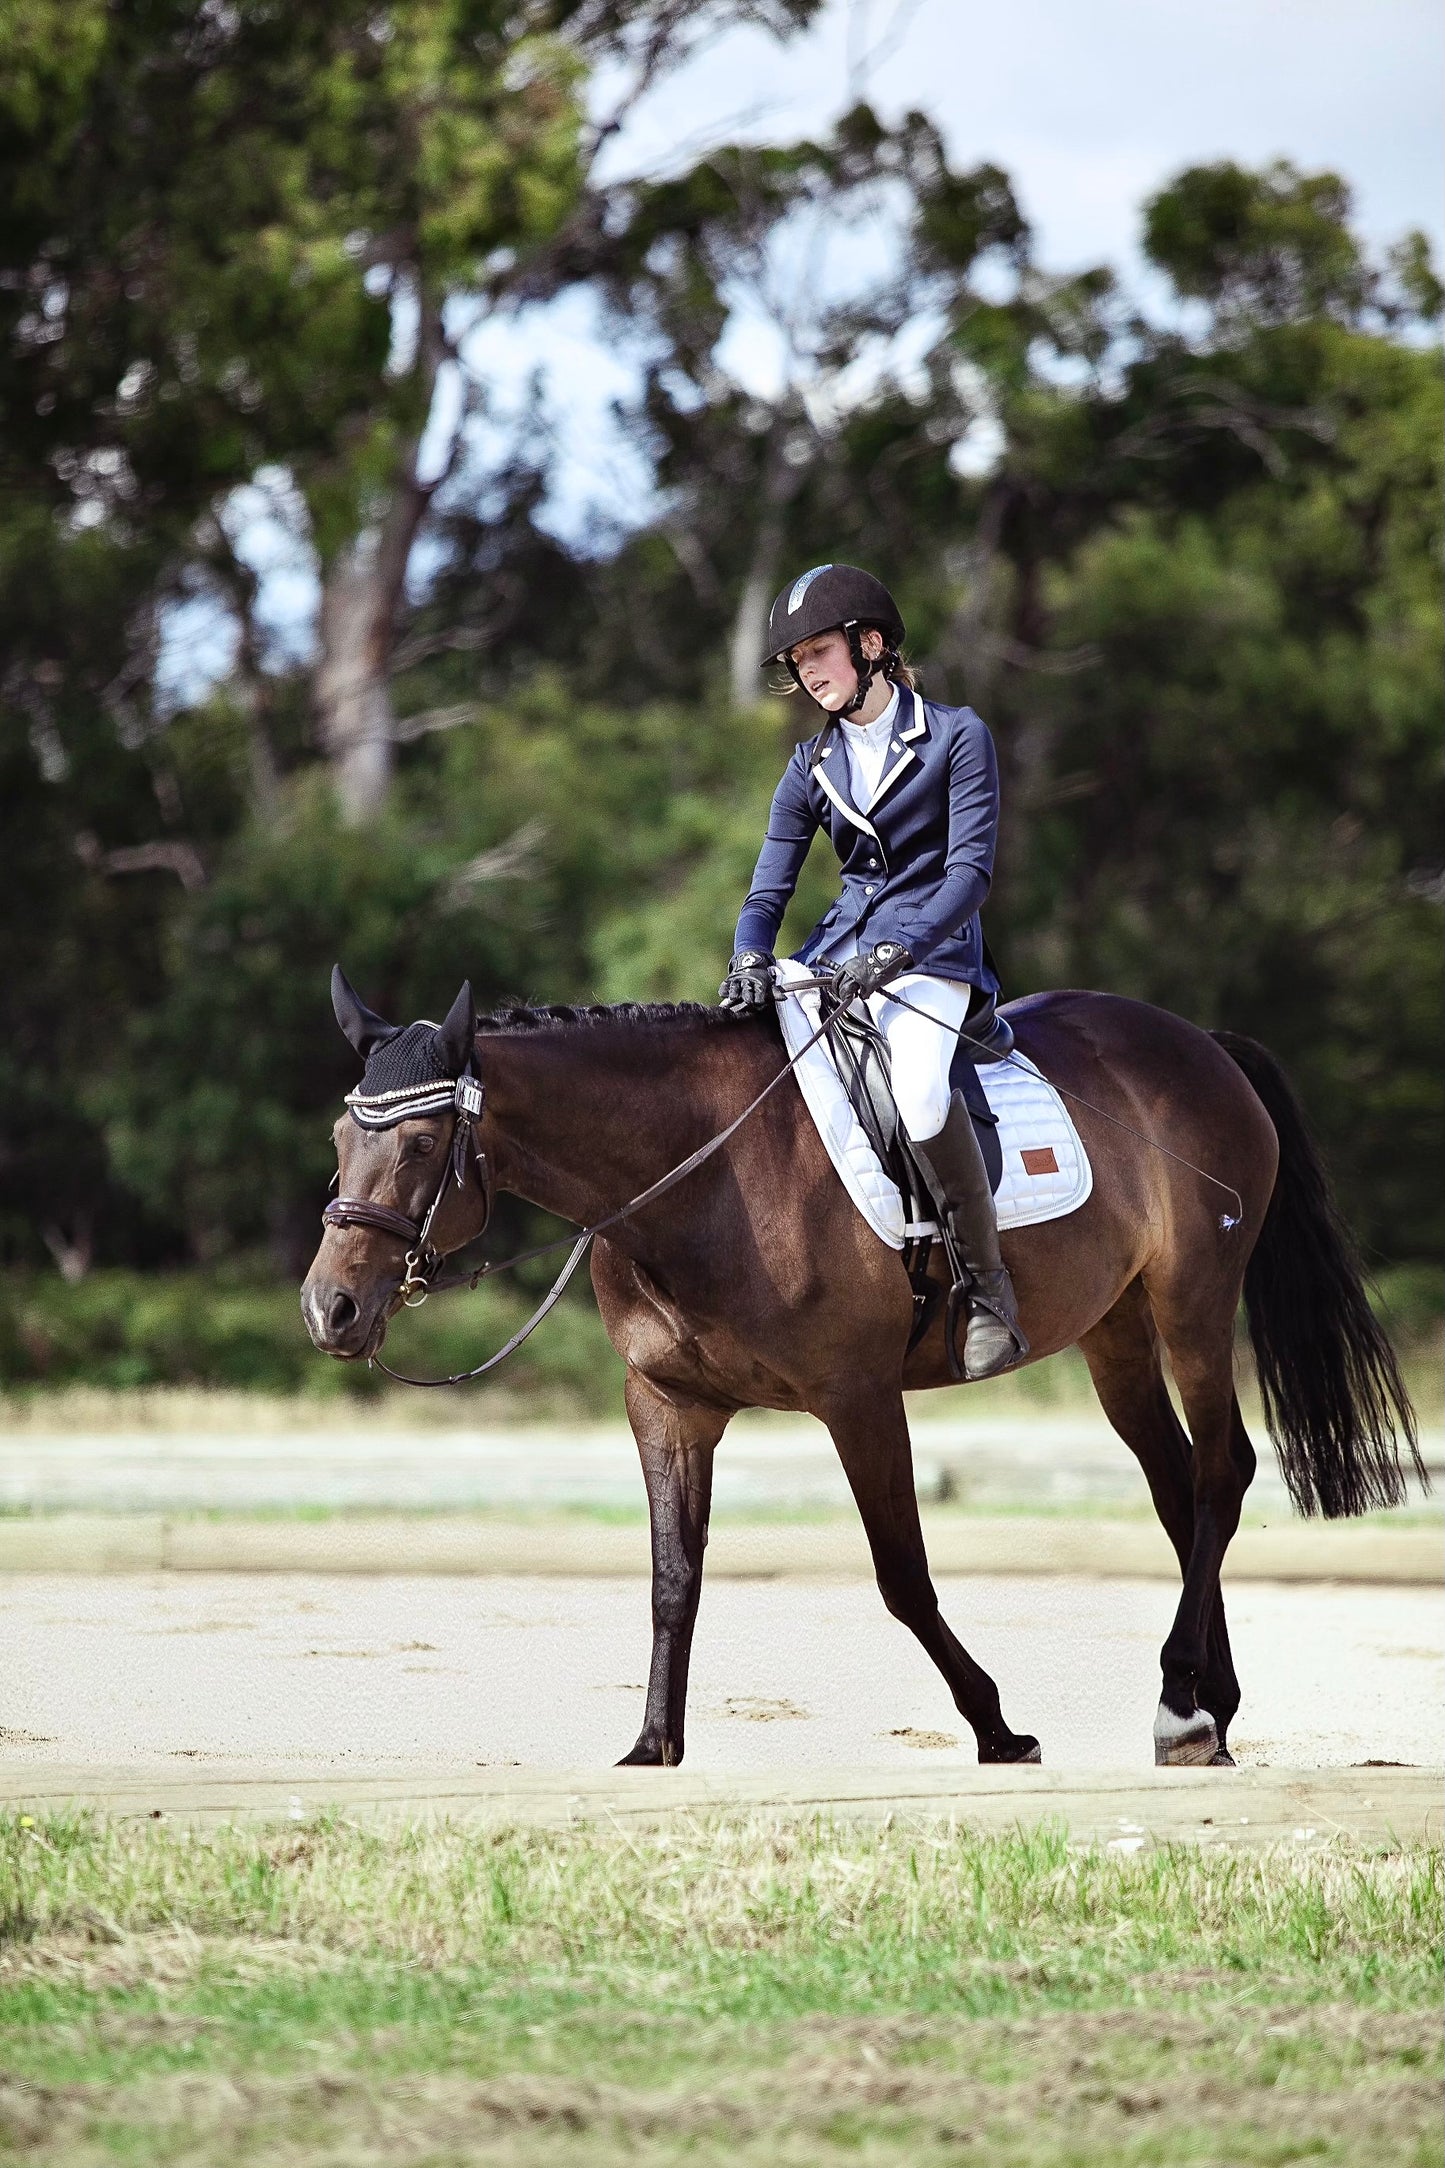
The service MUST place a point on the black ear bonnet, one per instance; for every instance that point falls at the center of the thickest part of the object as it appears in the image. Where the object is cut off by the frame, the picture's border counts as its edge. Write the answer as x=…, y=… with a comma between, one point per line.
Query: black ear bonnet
x=405, y=1076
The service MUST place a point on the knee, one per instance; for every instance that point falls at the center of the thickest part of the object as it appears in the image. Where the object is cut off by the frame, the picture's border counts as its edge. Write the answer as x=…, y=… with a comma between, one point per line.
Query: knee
x=922, y=1104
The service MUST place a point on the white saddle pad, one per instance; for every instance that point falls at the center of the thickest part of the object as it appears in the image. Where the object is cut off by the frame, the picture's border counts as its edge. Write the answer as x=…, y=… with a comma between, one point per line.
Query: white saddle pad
x=1046, y=1171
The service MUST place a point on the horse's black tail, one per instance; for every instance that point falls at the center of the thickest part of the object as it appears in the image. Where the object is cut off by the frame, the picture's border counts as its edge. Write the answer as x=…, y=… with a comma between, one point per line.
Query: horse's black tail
x=1334, y=1399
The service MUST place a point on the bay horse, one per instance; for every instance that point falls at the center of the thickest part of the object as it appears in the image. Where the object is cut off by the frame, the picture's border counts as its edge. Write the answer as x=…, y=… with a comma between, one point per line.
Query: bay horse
x=757, y=1284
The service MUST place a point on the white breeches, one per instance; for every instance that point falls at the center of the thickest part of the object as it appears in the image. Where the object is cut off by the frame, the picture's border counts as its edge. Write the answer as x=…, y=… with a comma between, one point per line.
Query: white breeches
x=921, y=1054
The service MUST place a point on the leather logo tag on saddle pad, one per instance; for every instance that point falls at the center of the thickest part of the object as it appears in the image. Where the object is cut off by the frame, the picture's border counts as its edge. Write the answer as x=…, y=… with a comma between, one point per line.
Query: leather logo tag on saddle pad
x=1039, y=1160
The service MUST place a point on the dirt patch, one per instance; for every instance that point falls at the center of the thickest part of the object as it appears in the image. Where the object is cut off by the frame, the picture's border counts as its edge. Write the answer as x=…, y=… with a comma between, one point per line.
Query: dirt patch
x=759, y=1709
x=911, y=1736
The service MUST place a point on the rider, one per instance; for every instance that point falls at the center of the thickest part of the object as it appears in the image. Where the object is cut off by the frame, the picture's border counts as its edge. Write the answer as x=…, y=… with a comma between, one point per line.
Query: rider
x=909, y=793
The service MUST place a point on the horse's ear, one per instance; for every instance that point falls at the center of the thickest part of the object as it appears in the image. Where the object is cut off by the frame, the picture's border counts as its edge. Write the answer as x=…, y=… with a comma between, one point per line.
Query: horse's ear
x=456, y=1035
x=362, y=1026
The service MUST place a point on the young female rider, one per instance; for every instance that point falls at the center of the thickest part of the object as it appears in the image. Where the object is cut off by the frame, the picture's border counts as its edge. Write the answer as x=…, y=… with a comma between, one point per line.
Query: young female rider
x=909, y=793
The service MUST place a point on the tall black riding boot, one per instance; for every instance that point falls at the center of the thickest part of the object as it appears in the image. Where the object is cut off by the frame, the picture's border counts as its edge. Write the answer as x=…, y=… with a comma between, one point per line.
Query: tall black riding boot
x=993, y=1341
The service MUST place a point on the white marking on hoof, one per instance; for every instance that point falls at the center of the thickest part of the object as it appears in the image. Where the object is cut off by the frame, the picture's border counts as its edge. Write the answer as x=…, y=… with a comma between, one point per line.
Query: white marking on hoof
x=1035, y=1754
x=1184, y=1742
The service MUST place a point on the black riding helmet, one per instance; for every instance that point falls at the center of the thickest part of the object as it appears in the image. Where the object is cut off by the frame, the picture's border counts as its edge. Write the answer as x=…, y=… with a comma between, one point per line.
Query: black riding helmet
x=839, y=598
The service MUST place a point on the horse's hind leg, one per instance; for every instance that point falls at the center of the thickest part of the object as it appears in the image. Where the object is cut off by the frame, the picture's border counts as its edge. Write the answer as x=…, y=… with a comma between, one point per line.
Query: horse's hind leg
x=1196, y=1322
x=871, y=1434
x=1122, y=1352
x=675, y=1441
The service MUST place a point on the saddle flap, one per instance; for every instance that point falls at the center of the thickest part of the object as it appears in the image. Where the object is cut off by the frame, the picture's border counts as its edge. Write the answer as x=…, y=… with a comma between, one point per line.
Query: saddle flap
x=862, y=1060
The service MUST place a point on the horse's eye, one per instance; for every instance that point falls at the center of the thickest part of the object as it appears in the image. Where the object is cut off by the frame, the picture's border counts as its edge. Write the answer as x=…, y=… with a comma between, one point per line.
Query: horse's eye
x=420, y=1146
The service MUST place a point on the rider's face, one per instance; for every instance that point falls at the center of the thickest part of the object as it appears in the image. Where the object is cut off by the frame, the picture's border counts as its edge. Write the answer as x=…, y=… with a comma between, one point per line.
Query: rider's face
x=826, y=667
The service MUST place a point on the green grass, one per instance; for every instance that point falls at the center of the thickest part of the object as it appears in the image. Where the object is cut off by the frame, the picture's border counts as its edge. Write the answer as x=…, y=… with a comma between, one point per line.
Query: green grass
x=741, y=1988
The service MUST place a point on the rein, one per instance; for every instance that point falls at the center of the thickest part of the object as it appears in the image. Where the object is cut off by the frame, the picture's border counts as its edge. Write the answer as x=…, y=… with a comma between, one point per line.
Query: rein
x=421, y=1278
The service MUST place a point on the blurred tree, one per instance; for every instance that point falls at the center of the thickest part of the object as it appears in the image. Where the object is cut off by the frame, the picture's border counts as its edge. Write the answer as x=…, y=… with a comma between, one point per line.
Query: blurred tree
x=241, y=236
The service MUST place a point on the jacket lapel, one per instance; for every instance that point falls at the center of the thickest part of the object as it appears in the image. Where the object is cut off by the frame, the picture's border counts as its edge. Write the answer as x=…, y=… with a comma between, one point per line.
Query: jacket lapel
x=903, y=740
x=833, y=756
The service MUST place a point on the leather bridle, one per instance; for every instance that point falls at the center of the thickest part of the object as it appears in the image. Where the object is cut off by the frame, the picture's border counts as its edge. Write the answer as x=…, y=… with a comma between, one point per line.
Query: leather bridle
x=422, y=1261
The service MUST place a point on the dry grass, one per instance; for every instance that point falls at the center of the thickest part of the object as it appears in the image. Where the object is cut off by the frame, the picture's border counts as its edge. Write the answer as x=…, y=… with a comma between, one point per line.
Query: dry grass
x=730, y=1887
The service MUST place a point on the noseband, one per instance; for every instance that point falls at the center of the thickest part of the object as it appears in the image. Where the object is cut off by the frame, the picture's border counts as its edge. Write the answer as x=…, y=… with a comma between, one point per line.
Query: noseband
x=422, y=1261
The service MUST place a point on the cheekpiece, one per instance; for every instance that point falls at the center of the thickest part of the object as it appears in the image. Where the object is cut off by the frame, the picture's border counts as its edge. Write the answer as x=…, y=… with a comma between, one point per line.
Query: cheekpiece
x=405, y=1077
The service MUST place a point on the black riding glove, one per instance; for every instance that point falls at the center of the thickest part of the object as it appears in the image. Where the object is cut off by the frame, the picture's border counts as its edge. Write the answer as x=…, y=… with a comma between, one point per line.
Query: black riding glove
x=865, y=974
x=749, y=983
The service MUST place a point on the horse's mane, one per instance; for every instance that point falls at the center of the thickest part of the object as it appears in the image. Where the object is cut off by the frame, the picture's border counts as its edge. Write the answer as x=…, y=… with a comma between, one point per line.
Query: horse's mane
x=524, y=1016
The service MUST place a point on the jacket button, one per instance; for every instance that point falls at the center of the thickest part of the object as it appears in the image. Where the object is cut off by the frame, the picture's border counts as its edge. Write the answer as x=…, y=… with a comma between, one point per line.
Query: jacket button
x=869, y=889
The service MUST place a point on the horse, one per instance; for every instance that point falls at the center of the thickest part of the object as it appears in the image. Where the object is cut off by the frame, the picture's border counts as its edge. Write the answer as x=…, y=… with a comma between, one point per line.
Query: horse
x=755, y=1283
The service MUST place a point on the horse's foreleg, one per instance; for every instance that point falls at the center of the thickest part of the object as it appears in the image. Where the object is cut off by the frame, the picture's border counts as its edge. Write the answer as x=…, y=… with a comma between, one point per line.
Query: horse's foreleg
x=871, y=1435
x=675, y=1440
x=1122, y=1352
x=1223, y=1466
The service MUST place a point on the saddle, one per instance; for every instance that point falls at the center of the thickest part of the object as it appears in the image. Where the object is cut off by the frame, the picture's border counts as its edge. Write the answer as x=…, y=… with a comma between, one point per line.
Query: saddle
x=861, y=1056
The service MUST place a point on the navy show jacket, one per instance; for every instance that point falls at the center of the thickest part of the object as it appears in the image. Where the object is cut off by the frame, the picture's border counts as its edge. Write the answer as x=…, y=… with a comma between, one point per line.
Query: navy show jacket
x=915, y=868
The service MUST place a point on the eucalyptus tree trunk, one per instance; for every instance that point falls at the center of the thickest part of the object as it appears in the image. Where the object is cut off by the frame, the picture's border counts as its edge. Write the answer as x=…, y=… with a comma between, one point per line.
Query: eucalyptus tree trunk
x=352, y=683
x=361, y=595
x=750, y=624
x=783, y=475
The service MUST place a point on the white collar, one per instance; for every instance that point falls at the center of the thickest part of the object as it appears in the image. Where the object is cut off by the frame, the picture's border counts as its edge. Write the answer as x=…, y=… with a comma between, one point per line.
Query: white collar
x=881, y=724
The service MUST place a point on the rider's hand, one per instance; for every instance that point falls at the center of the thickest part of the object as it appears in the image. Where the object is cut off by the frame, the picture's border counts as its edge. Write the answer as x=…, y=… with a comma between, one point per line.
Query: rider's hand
x=748, y=986
x=865, y=974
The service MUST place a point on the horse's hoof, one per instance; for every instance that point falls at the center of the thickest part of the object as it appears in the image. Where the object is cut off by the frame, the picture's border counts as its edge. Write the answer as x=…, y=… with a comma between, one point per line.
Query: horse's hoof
x=1184, y=1742
x=1221, y=1758
x=651, y=1754
x=1024, y=1748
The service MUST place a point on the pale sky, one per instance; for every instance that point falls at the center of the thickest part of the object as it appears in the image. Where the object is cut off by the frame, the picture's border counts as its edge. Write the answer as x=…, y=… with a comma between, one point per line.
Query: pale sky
x=1091, y=104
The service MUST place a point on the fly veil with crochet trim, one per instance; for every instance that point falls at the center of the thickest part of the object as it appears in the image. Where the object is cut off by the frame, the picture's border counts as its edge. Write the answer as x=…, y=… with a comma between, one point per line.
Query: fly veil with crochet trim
x=411, y=1069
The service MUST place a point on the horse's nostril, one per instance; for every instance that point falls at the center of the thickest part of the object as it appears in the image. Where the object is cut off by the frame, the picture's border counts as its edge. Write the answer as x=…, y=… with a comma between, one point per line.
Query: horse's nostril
x=340, y=1310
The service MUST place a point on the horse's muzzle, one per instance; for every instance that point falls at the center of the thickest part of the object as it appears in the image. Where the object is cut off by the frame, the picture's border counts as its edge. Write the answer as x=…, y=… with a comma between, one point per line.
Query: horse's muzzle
x=341, y=1322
